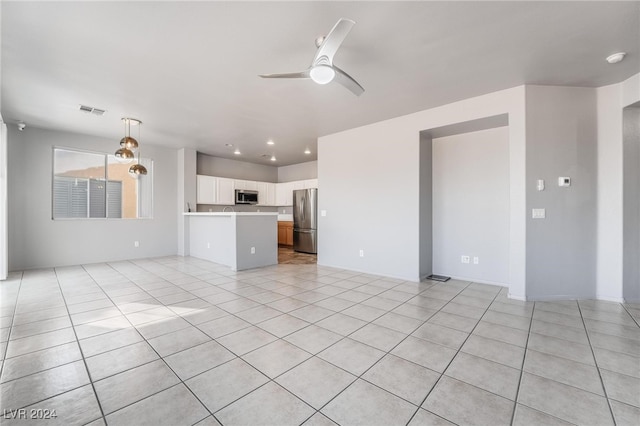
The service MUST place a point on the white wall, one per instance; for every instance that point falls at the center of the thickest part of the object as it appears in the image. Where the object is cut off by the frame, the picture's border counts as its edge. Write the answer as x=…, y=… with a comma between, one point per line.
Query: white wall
x=369, y=177
x=4, y=239
x=37, y=241
x=562, y=141
x=609, y=207
x=471, y=205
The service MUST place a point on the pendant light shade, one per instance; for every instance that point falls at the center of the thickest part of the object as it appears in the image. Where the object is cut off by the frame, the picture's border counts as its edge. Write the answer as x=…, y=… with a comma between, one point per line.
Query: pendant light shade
x=129, y=143
x=127, y=147
x=124, y=155
x=137, y=170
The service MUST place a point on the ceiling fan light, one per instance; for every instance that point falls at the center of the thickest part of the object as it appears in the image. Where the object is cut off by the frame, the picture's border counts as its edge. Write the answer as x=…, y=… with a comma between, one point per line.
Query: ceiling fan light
x=322, y=74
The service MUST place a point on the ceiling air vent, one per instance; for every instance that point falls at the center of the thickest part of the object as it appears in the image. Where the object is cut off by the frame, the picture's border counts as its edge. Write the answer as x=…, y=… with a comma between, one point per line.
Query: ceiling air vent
x=92, y=110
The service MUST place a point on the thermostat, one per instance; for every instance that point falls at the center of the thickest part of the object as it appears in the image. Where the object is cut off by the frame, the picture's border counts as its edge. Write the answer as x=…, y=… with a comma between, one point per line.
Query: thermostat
x=564, y=181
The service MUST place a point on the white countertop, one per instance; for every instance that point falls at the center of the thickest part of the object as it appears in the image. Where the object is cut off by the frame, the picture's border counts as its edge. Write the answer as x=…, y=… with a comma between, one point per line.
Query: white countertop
x=230, y=214
x=285, y=217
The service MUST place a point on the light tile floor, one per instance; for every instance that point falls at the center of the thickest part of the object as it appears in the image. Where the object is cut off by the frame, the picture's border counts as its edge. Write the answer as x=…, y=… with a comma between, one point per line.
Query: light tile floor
x=171, y=341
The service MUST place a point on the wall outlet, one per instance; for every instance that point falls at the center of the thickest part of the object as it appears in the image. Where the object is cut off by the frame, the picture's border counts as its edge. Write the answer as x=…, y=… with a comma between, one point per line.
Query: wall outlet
x=464, y=259
x=361, y=253
x=136, y=243
x=538, y=213
x=323, y=213
x=283, y=211
x=208, y=245
x=476, y=260
x=253, y=250
x=258, y=211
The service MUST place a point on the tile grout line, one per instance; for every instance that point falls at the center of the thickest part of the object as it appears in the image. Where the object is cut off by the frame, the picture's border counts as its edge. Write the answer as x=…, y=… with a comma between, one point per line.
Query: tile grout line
x=595, y=360
x=629, y=313
x=160, y=357
x=457, y=351
x=84, y=361
x=317, y=411
x=13, y=316
x=524, y=358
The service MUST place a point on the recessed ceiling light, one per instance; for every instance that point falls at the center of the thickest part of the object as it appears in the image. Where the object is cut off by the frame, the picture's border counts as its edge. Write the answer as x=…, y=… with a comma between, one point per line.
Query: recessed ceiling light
x=237, y=151
x=228, y=144
x=307, y=151
x=270, y=142
x=616, y=57
x=273, y=158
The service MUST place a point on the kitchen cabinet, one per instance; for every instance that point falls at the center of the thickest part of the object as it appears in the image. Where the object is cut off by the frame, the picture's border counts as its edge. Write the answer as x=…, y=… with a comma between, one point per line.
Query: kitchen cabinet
x=206, y=189
x=284, y=192
x=248, y=185
x=266, y=193
x=310, y=183
x=214, y=190
x=218, y=190
x=285, y=233
x=226, y=192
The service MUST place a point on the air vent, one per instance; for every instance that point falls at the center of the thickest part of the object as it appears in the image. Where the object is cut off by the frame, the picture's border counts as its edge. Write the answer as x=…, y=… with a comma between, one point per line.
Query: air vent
x=92, y=110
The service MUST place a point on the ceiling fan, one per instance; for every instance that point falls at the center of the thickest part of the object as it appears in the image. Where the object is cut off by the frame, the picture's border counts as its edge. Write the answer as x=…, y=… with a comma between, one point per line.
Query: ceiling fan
x=322, y=69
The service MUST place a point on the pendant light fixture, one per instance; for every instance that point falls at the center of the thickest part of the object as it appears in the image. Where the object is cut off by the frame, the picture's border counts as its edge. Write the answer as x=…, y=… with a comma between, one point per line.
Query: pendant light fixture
x=136, y=170
x=127, y=144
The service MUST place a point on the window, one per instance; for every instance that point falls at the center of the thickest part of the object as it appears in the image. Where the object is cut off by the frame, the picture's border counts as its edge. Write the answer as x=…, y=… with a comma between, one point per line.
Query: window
x=95, y=185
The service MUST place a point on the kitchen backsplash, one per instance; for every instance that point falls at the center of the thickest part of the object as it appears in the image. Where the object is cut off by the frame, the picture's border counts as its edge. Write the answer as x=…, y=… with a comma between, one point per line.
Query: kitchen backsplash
x=203, y=208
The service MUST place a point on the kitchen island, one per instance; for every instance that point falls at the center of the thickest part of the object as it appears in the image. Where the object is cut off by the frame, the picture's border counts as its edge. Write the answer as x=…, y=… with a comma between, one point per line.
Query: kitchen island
x=240, y=240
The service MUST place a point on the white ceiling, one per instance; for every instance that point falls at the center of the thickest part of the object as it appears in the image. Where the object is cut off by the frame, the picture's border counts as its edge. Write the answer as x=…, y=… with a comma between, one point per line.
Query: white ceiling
x=189, y=70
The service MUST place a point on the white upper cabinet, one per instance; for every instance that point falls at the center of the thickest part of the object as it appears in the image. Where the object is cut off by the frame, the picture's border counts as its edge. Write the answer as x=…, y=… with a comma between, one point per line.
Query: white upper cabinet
x=206, y=189
x=248, y=185
x=226, y=191
x=266, y=193
x=217, y=190
x=214, y=190
x=284, y=192
x=310, y=183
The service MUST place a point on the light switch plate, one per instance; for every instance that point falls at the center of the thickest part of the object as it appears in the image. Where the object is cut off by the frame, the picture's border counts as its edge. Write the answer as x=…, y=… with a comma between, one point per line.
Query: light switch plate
x=323, y=213
x=538, y=213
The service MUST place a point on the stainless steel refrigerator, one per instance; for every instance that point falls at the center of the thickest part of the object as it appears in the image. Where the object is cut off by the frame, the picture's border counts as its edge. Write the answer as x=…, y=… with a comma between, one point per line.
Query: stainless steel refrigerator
x=305, y=220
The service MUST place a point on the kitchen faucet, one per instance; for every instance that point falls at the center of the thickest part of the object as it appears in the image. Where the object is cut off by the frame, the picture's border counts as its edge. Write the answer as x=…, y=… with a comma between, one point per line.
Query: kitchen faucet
x=228, y=207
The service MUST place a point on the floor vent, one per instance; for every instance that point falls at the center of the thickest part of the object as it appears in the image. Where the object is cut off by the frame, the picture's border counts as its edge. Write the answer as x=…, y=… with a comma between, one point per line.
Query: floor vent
x=440, y=278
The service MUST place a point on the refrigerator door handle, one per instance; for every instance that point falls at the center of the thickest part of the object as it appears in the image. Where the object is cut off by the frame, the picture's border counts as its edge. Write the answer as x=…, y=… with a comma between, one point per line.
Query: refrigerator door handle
x=305, y=231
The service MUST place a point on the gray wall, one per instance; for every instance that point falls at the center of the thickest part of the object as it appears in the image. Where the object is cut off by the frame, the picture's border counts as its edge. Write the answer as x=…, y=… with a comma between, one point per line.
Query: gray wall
x=302, y=171
x=561, y=141
x=471, y=205
x=233, y=169
x=426, y=205
x=36, y=241
x=631, y=197
x=260, y=232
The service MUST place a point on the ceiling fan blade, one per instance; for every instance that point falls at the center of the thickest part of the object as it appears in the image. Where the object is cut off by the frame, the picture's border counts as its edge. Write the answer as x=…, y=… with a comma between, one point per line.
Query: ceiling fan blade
x=301, y=74
x=334, y=39
x=347, y=81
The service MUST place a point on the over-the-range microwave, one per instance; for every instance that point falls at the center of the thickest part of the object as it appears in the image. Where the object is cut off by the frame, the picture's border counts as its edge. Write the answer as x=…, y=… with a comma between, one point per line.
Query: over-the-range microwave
x=246, y=197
